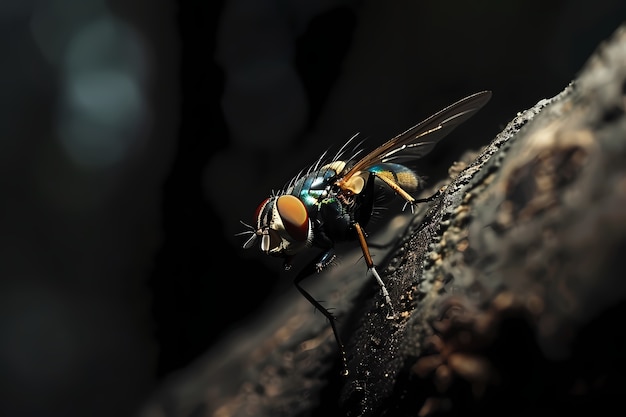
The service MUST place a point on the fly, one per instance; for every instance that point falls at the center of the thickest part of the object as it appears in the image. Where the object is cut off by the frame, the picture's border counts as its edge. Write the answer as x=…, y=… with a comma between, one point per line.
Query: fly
x=334, y=199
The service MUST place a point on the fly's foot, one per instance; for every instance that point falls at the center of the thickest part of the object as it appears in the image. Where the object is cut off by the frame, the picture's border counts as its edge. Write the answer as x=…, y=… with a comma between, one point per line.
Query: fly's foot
x=392, y=315
x=433, y=197
x=413, y=203
x=383, y=289
x=325, y=260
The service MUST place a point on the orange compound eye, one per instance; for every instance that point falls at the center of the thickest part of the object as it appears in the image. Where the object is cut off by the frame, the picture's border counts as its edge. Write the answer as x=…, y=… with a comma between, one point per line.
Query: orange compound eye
x=294, y=216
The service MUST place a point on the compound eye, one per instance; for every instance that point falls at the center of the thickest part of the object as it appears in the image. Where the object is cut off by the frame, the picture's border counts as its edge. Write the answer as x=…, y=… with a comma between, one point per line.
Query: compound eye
x=294, y=217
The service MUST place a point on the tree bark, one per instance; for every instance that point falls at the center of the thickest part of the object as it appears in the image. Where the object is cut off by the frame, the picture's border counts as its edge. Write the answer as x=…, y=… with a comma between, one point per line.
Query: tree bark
x=509, y=289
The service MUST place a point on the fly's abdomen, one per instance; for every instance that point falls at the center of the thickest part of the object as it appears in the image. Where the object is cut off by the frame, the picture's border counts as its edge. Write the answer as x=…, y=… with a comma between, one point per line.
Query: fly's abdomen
x=405, y=177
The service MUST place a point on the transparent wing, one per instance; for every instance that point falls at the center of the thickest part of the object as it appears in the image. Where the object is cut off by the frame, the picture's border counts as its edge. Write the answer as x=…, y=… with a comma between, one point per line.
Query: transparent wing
x=421, y=138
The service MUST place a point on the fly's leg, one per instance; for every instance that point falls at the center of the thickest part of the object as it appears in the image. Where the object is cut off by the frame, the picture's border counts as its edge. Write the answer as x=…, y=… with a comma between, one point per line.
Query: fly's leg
x=406, y=196
x=326, y=259
x=399, y=190
x=370, y=265
x=430, y=198
x=316, y=266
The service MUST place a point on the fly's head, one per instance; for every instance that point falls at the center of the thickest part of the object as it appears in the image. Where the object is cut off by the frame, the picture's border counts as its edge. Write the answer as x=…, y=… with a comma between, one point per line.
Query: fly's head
x=282, y=225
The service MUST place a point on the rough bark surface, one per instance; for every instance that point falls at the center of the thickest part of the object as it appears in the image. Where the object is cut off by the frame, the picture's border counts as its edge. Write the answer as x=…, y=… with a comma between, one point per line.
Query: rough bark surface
x=509, y=287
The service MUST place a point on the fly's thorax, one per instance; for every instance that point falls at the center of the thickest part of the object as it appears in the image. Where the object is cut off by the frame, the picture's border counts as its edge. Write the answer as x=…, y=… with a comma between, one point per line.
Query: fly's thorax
x=284, y=226
x=316, y=186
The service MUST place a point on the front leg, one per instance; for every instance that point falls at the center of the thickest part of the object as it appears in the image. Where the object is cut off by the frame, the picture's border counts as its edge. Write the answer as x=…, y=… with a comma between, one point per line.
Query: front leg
x=322, y=262
x=326, y=259
x=318, y=264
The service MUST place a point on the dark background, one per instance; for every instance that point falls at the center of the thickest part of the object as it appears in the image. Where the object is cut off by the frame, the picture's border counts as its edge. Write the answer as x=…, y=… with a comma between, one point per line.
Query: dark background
x=136, y=134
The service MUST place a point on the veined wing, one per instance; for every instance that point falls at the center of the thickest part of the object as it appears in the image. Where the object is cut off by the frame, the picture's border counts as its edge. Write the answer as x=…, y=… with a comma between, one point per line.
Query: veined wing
x=421, y=138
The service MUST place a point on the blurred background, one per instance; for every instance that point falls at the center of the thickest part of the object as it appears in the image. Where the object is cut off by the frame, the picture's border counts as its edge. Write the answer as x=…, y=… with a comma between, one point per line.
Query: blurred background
x=136, y=134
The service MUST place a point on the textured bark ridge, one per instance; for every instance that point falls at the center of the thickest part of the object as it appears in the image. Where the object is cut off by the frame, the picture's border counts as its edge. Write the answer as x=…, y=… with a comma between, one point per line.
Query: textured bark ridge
x=509, y=289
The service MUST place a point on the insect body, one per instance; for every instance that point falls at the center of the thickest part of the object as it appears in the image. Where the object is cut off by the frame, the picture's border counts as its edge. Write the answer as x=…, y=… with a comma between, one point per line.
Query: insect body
x=334, y=200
